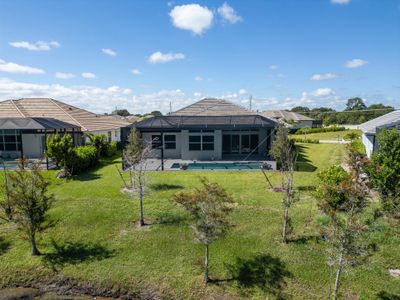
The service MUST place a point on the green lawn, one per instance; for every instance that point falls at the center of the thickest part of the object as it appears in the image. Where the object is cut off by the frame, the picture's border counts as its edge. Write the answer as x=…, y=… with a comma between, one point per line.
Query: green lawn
x=95, y=240
x=333, y=135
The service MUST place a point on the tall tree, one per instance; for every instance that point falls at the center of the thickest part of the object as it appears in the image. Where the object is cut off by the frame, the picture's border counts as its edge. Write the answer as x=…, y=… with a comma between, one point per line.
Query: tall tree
x=343, y=197
x=300, y=109
x=355, y=104
x=30, y=199
x=121, y=112
x=135, y=161
x=209, y=207
x=384, y=171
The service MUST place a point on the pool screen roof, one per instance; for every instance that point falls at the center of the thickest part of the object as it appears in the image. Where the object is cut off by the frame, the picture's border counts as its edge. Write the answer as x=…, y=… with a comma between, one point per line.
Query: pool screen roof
x=172, y=122
x=35, y=124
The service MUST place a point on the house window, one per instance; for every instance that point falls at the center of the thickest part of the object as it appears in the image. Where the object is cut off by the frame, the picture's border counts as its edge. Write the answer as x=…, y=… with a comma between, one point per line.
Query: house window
x=170, y=141
x=109, y=136
x=156, y=141
x=194, y=142
x=207, y=142
x=10, y=140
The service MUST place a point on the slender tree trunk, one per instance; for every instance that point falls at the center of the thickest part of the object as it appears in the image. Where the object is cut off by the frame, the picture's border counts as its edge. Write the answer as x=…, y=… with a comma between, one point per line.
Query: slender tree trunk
x=141, y=220
x=206, y=278
x=338, y=273
x=285, y=224
x=35, y=250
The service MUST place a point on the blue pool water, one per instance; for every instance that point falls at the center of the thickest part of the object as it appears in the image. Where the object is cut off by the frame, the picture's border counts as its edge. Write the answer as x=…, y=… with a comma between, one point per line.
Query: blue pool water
x=221, y=166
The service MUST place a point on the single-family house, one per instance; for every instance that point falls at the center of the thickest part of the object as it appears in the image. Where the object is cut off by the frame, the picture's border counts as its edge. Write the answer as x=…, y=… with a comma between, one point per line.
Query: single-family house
x=371, y=128
x=293, y=119
x=210, y=129
x=26, y=137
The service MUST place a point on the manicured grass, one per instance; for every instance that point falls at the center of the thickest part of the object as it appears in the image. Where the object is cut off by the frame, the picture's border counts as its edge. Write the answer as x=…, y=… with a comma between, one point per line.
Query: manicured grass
x=333, y=135
x=98, y=243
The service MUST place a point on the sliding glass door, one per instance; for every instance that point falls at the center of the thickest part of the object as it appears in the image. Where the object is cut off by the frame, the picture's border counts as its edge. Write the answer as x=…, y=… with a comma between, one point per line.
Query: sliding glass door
x=240, y=143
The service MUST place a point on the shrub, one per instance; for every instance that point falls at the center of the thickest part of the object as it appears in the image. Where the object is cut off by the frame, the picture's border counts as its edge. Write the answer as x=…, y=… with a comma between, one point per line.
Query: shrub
x=112, y=149
x=308, y=130
x=85, y=157
x=309, y=141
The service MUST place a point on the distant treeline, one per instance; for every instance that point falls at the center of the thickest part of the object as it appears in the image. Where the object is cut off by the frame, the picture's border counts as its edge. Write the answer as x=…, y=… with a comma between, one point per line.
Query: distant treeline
x=356, y=112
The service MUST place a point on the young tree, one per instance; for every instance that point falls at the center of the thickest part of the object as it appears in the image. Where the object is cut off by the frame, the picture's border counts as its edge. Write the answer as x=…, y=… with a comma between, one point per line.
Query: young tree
x=135, y=161
x=100, y=142
x=280, y=146
x=342, y=197
x=6, y=204
x=289, y=192
x=61, y=150
x=30, y=201
x=384, y=171
x=209, y=206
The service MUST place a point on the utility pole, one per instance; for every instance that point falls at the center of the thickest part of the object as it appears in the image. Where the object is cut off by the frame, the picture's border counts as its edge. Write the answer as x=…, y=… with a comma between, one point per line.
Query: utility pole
x=170, y=107
x=251, y=100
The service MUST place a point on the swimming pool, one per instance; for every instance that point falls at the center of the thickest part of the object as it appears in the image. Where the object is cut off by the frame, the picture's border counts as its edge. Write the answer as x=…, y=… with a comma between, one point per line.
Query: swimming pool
x=221, y=166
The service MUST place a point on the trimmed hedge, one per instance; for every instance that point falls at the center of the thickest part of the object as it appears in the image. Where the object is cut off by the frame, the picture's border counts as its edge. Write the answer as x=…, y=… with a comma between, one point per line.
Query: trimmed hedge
x=309, y=141
x=308, y=130
x=83, y=158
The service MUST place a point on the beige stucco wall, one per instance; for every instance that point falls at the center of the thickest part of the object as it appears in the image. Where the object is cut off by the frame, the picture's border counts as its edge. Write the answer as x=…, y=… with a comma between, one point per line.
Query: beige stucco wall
x=115, y=134
x=32, y=145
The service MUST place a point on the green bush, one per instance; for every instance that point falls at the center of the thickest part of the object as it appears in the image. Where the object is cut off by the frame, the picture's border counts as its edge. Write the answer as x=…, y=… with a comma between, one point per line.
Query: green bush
x=309, y=141
x=358, y=146
x=308, y=130
x=85, y=157
x=112, y=149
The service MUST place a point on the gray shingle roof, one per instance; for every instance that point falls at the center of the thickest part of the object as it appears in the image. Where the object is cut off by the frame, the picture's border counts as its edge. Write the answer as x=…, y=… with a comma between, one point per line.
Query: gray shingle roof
x=35, y=124
x=205, y=122
x=287, y=115
x=389, y=120
x=212, y=107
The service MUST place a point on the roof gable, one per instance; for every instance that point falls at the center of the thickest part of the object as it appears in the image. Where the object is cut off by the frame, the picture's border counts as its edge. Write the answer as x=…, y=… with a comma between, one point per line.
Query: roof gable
x=212, y=107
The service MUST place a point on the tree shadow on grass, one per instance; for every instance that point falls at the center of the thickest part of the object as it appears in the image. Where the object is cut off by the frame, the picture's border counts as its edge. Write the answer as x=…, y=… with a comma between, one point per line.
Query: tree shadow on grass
x=170, y=219
x=75, y=253
x=305, y=239
x=4, y=246
x=165, y=187
x=383, y=295
x=306, y=188
x=265, y=272
x=303, y=164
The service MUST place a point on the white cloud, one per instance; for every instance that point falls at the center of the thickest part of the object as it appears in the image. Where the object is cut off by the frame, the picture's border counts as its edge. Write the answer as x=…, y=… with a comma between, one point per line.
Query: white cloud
x=326, y=76
x=88, y=75
x=273, y=67
x=323, y=92
x=109, y=51
x=192, y=17
x=199, y=78
x=229, y=14
x=38, y=46
x=11, y=67
x=62, y=75
x=355, y=63
x=340, y=1
x=197, y=94
x=158, y=57
x=136, y=72
x=242, y=92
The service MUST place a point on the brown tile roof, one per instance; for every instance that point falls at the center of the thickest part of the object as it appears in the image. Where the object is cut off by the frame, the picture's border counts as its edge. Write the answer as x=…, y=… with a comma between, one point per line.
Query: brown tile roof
x=212, y=107
x=50, y=108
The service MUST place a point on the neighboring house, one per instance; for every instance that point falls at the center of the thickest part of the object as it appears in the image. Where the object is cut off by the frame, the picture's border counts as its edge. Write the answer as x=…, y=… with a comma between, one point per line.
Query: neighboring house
x=210, y=129
x=293, y=119
x=26, y=137
x=371, y=128
x=51, y=108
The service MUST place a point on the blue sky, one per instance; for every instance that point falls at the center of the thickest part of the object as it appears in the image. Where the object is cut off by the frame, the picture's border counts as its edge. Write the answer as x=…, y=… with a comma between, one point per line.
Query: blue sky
x=142, y=55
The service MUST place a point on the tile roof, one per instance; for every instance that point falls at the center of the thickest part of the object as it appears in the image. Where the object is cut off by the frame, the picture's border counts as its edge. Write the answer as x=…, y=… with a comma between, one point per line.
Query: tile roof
x=50, y=108
x=286, y=115
x=212, y=107
x=388, y=120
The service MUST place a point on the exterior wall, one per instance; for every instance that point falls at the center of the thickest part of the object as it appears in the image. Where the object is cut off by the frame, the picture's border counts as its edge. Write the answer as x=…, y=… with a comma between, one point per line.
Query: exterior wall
x=168, y=153
x=115, y=134
x=368, y=141
x=215, y=154
x=32, y=145
x=304, y=123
